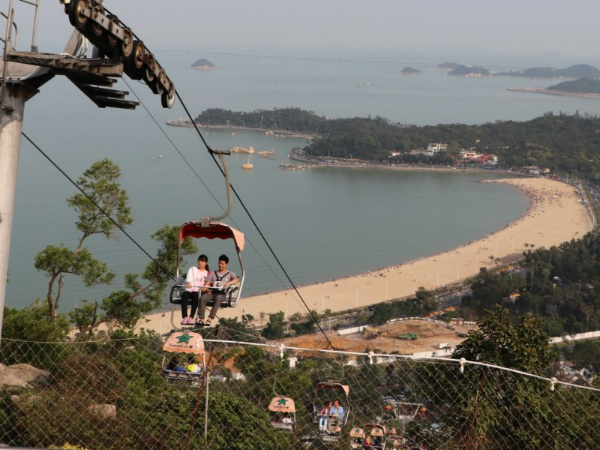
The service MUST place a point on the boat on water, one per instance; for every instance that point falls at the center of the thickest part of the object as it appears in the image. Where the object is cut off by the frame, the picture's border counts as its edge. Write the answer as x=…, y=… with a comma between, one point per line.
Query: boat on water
x=249, y=150
x=248, y=165
x=267, y=153
x=181, y=122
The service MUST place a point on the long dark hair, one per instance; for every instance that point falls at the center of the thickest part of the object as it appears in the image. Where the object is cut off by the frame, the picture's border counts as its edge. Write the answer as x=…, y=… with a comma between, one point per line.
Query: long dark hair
x=204, y=258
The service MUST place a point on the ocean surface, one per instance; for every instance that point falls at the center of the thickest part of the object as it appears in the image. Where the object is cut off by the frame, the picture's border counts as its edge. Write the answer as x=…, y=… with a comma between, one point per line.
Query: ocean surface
x=322, y=223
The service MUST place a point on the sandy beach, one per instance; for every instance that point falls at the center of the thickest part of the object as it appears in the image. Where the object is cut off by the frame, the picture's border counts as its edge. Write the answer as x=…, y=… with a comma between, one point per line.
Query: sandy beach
x=555, y=215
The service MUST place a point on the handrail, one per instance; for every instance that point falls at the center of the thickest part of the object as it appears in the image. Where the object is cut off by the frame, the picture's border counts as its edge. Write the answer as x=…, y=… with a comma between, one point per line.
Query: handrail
x=16, y=31
x=36, y=5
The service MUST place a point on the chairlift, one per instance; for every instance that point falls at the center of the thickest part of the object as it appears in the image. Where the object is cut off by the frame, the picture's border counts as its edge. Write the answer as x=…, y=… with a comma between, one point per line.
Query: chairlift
x=394, y=440
x=376, y=435
x=331, y=390
x=205, y=229
x=357, y=437
x=406, y=411
x=283, y=413
x=181, y=350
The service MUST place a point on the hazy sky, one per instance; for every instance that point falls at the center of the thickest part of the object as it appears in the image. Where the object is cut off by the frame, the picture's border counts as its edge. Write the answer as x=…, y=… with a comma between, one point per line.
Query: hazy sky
x=523, y=27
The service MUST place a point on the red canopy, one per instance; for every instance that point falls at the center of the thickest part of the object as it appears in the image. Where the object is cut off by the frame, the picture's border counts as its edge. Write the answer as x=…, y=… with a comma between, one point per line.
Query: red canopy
x=212, y=231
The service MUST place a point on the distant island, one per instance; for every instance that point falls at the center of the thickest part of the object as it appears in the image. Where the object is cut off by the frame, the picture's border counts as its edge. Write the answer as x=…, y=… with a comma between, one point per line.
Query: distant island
x=583, y=87
x=469, y=71
x=203, y=64
x=376, y=139
x=448, y=65
x=410, y=71
x=576, y=71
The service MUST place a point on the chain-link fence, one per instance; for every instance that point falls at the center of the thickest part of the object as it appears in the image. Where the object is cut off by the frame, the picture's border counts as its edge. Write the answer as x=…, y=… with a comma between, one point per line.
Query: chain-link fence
x=129, y=394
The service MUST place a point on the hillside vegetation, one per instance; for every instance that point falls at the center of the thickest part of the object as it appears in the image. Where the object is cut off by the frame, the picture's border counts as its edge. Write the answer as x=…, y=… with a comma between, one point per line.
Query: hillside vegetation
x=576, y=71
x=469, y=70
x=582, y=85
x=569, y=143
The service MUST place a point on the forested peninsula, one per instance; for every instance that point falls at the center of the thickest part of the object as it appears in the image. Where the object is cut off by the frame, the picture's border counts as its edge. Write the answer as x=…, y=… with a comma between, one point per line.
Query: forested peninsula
x=582, y=86
x=575, y=71
x=569, y=143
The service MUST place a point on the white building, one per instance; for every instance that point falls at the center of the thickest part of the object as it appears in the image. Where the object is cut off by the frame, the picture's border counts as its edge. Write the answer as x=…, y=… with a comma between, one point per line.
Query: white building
x=437, y=147
x=470, y=154
x=421, y=151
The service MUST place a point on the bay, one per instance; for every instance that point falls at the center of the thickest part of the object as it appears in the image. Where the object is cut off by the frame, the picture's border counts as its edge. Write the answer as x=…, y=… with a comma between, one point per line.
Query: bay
x=323, y=223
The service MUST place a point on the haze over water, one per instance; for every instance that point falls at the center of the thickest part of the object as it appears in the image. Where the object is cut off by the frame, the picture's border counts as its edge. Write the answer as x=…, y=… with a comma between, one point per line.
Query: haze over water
x=322, y=224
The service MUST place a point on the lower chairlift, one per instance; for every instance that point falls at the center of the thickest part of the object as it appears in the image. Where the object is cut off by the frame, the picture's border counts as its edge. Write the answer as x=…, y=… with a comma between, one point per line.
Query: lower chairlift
x=184, y=358
x=376, y=437
x=329, y=391
x=357, y=437
x=406, y=411
x=394, y=441
x=283, y=413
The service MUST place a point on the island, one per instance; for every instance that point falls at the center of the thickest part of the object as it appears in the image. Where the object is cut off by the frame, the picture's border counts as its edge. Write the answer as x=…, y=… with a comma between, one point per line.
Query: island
x=469, y=71
x=448, y=65
x=583, y=87
x=377, y=140
x=410, y=71
x=575, y=71
x=203, y=64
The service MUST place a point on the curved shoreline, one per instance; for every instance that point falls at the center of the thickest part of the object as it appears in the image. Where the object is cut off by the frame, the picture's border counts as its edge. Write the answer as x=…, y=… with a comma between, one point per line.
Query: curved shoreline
x=543, y=224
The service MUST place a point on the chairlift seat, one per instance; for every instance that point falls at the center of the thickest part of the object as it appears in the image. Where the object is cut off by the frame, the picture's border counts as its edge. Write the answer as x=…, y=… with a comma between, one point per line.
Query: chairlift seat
x=185, y=377
x=213, y=230
x=231, y=295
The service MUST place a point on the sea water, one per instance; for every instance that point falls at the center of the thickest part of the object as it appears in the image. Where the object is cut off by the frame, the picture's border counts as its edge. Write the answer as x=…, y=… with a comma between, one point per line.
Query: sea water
x=322, y=223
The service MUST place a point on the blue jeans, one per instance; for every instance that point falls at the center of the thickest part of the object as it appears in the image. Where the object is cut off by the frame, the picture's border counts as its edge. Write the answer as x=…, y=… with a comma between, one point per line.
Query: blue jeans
x=322, y=422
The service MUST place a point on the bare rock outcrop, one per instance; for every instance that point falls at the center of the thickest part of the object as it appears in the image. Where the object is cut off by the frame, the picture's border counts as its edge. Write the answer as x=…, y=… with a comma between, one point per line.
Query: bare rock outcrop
x=23, y=375
x=103, y=411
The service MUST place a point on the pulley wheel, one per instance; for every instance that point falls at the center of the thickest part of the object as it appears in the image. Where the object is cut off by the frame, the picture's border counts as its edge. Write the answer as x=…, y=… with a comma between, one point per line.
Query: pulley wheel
x=149, y=75
x=156, y=85
x=97, y=30
x=137, y=55
x=76, y=16
x=134, y=63
x=168, y=97
x=127, y=45
x=111, y=38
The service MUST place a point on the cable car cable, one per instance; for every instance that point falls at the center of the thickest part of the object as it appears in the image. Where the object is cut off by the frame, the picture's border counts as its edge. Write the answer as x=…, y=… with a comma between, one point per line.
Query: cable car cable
x=96, y=204
x=202, y=181
x=212, y=153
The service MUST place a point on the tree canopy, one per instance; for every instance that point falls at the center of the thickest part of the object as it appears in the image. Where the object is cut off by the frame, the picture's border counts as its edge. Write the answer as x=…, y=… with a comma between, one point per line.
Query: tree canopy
x=103, y=209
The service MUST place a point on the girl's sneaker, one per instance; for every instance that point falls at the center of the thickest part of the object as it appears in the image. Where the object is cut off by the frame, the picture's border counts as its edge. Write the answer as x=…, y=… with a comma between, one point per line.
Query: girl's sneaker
x=184, y=321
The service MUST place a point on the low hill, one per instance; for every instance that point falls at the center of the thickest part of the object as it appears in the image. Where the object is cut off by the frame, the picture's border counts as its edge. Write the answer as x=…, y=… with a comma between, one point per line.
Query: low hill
x=290, y=119
x=448, y=65
x=410, y=71
x=568, y=142
x=582, y=85
x=470, y=71
x=203, y=64
x=576, y=71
